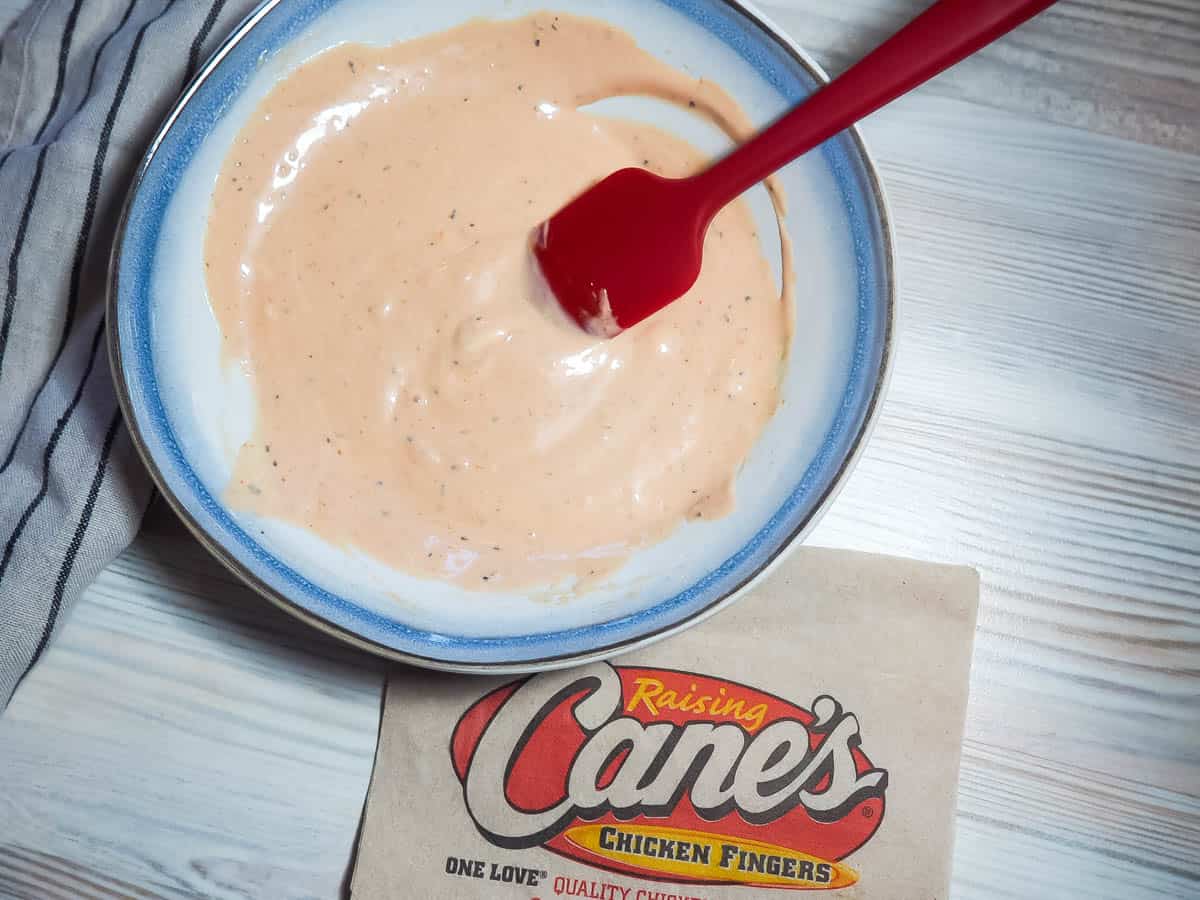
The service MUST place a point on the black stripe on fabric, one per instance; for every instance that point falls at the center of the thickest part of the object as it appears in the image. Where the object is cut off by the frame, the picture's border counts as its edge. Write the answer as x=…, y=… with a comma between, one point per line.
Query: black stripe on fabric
x=150, y=502
x=62, y=342
x=59, y=427
x=64, y=52
x=93, y=196
x=198, y=44
x=85, y=518
x=91, y=76
x=64, y=55
x=87, y=94
x=10, y=294
x=85, y=231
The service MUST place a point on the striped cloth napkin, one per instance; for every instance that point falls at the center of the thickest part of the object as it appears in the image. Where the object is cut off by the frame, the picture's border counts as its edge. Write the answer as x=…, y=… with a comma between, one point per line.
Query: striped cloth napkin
x=83, y=86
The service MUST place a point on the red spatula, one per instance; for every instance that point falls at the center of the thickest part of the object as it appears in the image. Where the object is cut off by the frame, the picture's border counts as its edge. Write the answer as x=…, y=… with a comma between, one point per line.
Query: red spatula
x=627, y=247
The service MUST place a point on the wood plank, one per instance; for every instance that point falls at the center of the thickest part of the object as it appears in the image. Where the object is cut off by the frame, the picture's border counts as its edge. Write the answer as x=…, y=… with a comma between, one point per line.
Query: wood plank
x=1048, y=828
x=1120, y=67
x=186, y=738
x=53, y=876
x=1043, y=423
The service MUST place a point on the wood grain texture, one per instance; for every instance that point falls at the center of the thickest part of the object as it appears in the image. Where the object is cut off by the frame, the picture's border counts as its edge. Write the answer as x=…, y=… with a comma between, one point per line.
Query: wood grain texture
x=1120, y=67
x=182, y=739
x=186, y=739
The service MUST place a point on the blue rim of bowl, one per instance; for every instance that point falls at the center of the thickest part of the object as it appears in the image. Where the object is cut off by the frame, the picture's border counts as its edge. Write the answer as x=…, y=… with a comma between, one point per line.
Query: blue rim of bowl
x=776, y=58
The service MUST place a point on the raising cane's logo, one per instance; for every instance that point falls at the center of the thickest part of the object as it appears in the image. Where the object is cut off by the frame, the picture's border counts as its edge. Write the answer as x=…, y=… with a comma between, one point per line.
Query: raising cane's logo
x=671, y=775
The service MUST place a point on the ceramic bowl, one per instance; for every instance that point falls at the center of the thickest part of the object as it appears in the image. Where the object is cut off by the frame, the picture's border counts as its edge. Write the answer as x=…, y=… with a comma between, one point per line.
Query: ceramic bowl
x=188, y=414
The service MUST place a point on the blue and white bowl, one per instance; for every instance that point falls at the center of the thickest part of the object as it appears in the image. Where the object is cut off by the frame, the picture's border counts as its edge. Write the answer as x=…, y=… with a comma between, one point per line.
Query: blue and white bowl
x=188, y=414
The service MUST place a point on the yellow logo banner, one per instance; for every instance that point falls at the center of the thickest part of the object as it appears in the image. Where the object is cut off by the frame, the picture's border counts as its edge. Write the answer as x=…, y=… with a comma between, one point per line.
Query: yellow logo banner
x=702, y=856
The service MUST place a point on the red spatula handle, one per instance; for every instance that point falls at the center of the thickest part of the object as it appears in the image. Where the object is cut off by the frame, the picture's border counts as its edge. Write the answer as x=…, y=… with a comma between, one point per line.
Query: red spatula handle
x=946, y=33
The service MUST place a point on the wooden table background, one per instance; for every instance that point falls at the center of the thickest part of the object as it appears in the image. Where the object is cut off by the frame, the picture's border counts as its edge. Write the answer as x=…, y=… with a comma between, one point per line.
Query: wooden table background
x=184, y=740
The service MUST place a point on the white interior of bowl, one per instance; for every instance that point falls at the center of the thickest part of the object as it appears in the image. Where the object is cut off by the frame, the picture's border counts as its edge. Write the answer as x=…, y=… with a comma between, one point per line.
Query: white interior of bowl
x=212, y=411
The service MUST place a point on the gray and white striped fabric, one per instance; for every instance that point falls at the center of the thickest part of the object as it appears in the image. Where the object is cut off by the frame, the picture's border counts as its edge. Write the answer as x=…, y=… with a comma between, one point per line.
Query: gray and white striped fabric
x=83, y=85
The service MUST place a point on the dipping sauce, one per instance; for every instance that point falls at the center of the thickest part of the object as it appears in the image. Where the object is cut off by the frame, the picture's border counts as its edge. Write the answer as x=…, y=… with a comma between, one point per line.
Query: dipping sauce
x=419, y=396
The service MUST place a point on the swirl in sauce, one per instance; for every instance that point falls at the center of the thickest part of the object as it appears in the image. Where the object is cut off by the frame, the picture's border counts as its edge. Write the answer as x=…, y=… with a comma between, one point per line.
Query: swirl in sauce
x=418, y=396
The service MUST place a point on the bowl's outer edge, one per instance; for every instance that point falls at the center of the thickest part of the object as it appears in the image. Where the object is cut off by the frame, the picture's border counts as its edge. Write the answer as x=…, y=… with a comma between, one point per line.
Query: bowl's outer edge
x=546, y=663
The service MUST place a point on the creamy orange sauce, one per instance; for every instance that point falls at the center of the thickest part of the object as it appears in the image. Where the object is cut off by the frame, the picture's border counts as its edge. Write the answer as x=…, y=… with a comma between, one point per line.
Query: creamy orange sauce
x=419, y=397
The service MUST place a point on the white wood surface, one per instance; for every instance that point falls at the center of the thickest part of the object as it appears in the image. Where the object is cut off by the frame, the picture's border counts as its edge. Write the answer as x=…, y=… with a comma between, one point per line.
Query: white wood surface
x=184, y=740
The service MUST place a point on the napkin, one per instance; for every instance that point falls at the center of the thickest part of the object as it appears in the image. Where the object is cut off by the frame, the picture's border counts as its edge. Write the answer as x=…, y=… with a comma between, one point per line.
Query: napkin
x=807, y=738
x=83, y=87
